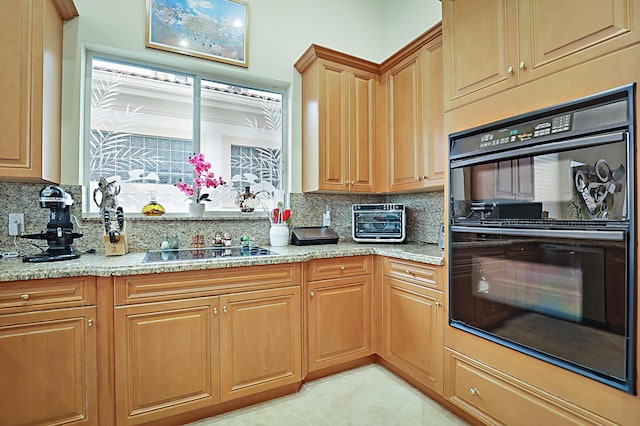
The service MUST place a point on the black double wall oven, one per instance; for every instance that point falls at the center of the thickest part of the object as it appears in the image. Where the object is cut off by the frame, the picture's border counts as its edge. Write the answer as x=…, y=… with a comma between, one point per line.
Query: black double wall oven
x=542, y=235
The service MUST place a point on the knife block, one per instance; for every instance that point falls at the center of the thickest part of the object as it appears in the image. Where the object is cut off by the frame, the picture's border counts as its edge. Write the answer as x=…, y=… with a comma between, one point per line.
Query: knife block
x=119, y=248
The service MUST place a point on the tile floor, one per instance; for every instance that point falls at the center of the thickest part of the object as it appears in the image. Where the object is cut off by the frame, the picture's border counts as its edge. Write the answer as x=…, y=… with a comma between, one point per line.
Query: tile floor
x=369, y=395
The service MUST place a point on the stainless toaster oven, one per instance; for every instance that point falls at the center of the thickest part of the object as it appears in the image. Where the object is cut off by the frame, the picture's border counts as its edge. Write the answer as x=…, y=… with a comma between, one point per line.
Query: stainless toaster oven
x=378, y=223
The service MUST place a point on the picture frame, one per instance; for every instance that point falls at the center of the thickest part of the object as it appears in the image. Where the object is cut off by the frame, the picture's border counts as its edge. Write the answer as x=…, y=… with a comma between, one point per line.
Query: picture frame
x=208, y=29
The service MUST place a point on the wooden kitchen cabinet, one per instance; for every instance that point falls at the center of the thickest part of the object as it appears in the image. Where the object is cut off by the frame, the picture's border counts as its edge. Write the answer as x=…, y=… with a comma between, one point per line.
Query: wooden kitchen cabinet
x=31, y=87
x=339, y=310
x=414, y=108
x=166, y=359
x=413, y=320
x=48, y=352
x=491, y=46
x=338, y=121
x=233, y=334
x=260, y=341
x=495, y=398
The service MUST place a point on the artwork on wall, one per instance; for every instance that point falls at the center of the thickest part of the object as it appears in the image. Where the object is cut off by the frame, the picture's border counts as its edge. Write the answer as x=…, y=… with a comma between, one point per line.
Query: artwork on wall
x=209, y=29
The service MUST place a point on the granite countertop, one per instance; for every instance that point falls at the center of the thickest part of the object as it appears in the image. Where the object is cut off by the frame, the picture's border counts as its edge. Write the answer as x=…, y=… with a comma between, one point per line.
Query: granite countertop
x=131, y=264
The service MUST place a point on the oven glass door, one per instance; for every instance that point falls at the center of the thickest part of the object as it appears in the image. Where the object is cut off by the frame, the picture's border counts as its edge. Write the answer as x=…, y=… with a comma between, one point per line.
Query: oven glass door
x=560, y=297
x=583, y=179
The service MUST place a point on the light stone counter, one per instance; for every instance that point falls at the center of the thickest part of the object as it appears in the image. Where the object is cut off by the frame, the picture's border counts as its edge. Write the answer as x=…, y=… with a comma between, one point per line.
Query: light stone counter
x=131, y=264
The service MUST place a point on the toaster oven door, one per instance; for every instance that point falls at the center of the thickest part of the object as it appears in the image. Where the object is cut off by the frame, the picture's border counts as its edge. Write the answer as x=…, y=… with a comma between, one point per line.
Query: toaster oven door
x=378, y=226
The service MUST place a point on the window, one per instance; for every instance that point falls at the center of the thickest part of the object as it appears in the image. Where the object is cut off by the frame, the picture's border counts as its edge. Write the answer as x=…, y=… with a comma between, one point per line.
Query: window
x=145, y=122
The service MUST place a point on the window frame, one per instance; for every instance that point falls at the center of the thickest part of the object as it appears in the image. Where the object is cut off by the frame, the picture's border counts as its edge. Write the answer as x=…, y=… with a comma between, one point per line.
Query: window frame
x=198, y=75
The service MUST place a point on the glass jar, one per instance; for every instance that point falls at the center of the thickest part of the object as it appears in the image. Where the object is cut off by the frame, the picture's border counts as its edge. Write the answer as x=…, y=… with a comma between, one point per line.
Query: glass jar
x=247, y=201
x=153, y=208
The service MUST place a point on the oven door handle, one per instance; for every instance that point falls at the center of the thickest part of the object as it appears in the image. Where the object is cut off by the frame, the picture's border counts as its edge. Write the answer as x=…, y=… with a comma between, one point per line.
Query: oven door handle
x=544, y=148
x=554, y=233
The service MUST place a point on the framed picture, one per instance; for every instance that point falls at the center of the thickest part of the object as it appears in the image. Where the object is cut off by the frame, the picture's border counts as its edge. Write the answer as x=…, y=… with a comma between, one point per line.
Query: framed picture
x=209, y=29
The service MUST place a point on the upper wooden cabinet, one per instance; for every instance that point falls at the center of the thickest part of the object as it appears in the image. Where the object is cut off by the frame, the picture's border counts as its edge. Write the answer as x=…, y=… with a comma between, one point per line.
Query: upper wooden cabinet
x=31, y=87
x=414, y=112
x=338, y=121
x=492, y=45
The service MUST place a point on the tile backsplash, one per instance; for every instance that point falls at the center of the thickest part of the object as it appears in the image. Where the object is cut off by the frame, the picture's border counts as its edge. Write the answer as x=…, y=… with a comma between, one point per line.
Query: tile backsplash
x=425, y=212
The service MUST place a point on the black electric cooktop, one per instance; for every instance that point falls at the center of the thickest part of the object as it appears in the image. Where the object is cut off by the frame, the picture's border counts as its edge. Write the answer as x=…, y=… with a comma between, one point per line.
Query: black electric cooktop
x=204, y=253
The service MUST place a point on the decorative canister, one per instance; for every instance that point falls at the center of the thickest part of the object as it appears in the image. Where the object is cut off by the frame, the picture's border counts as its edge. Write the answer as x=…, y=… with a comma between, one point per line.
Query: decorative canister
x=279, y=234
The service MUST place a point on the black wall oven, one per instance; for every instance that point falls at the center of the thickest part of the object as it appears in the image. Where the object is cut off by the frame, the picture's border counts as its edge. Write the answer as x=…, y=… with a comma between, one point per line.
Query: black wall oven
x=542, y=235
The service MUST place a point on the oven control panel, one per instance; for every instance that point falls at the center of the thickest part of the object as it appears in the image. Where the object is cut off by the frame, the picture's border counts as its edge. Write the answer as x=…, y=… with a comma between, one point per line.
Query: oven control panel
x=525, y=131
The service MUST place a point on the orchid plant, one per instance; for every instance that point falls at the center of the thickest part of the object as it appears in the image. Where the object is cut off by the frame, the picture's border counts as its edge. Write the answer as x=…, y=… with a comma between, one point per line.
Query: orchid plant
x=204, y=178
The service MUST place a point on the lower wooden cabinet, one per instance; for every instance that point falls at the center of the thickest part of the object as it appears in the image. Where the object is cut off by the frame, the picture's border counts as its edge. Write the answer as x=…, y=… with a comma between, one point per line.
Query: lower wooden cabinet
x=339, y=311
x=496, y=398
x=48, y=365
x=413, y=319
x=167, y=359
x=179, y=356
x=260, y=341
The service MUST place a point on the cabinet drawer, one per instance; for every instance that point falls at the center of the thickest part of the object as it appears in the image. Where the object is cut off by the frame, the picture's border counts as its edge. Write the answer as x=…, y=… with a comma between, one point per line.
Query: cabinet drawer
x=22, y=296
x=496, y=398
x=340, y=267
x=176, y=285
x=416, y=272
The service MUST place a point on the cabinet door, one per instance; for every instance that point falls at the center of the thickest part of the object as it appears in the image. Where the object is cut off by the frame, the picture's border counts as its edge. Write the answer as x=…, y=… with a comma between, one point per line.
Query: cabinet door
x=339, y=323
x=482, y=50
x=362, y=136
x=31, y=88
x=48, y=363
x=166, y=359
x=404, y=84
x=559, y=34
x=435, y=143
x=333, y=136
x=412, y=335
x=260, y=341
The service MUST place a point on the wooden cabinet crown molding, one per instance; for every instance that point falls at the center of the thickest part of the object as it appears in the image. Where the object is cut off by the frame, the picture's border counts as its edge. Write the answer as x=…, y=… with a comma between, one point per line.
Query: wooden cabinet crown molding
x=66, y=8
x=318, y=52
x=412, y=47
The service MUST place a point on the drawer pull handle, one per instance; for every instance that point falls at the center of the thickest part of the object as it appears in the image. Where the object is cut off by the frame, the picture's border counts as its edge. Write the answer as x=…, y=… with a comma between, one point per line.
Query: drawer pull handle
x=24, y=296
x=342, y=268
x=474, y=391
x=408, y=272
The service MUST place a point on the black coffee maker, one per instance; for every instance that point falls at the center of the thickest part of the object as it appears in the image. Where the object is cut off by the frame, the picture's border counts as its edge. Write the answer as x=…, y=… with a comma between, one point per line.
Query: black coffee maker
x=59, y=233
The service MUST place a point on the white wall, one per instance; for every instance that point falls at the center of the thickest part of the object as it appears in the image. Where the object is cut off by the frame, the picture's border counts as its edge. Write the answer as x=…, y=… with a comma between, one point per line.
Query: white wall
x=279, y=32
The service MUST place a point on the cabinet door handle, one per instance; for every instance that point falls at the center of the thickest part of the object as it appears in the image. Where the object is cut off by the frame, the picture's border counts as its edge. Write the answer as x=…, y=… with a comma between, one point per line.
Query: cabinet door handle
x=24, y=297
x=353, y=182
x=311, y=294
x=438, y=304
x=90, y=322
x=224, y=309
x=215, y=310
x=474, y=391
x=523, y=65
x=510, y=70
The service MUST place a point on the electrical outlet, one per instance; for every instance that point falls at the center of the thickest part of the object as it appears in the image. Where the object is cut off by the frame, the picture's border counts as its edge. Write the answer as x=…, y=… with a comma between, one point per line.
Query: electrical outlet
x=16, y=223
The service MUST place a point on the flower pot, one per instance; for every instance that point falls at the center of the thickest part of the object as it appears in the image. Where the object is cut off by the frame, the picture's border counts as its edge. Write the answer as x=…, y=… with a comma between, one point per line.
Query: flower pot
x=196, y=209
x=279, y=234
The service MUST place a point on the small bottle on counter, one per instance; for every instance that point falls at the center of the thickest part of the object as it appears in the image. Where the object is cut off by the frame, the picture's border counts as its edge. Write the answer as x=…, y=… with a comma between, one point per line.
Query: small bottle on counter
x=175, y=244
x=164, y=246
